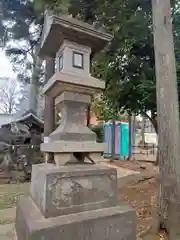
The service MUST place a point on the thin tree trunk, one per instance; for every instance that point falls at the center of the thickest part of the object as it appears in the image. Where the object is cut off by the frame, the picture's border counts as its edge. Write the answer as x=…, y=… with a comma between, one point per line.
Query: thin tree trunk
x=168, y=119
x=154, y=123
x=153, y=119
x=130, y=136
x=157, y=157
x=143, y=131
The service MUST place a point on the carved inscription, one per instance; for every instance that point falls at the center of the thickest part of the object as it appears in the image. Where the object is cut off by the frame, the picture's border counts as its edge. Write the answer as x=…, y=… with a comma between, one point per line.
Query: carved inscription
x=68, y=192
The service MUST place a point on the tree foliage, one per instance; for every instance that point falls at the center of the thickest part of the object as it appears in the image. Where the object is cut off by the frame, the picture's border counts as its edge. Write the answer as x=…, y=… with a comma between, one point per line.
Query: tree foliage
x=20, y=30
x=104, y=111
x=83, y=9
x=128, y=64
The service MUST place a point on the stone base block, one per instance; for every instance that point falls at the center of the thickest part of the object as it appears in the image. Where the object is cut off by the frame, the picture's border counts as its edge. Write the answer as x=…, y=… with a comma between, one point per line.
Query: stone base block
x=71, y=189
x=114, y=223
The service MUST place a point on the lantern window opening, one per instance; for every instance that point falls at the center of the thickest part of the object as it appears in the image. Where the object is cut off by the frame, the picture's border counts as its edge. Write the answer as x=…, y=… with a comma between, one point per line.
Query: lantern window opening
x=78, y=60
x=61, y=62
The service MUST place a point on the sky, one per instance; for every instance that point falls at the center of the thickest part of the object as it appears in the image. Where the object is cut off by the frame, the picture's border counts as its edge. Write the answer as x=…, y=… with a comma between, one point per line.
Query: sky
x=5, y=66
x=5, y=70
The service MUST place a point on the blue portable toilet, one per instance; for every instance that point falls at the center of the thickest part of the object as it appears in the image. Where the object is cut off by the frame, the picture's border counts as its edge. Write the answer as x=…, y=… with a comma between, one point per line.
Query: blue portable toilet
x=121, y=139
x=124, y=143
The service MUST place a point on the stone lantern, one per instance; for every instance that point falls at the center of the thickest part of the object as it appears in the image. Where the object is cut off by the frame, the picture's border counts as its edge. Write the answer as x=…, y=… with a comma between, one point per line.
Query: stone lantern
x=71, y=199
x=72, y=87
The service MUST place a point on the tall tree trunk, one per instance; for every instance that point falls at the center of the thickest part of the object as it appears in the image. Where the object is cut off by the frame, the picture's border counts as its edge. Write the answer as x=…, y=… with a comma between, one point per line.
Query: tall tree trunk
x=168, y=119
x=130, y=136
x=34, y=84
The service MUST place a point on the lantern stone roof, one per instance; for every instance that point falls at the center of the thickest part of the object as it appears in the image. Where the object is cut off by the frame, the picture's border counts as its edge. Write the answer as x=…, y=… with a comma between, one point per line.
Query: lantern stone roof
x=58, y=28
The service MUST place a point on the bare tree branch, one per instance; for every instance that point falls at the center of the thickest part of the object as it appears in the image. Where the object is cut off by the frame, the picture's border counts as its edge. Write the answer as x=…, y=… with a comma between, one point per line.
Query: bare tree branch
x=10, y=94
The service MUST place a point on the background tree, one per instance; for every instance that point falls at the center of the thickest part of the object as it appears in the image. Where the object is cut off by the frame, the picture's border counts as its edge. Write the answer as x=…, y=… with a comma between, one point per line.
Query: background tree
x=102, y=109
x=20, y=30
x=130, y=73
x=11, y=93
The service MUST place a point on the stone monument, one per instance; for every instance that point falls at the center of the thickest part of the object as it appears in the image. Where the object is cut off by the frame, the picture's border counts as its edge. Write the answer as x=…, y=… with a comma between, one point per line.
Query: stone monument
x=75, y=198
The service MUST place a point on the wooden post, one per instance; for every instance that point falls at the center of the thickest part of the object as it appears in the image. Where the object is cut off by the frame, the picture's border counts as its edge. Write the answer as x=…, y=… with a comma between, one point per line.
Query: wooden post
x=113, y=154
x=49, y=109
x=130, y=132
x=143, y=131
x=168, y=118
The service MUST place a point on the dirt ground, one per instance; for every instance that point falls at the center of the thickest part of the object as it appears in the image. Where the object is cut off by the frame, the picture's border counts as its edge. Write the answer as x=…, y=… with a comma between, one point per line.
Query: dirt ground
x=139, y=166
x=142, y=196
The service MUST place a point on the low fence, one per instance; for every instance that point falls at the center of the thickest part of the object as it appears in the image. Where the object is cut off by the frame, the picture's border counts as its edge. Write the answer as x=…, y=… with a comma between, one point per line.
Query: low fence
x=31, y=154
x=145, y=152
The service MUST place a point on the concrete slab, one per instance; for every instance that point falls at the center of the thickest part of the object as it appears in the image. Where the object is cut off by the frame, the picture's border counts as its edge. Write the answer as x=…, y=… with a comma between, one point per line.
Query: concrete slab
x=121, y=172
x=127, y=177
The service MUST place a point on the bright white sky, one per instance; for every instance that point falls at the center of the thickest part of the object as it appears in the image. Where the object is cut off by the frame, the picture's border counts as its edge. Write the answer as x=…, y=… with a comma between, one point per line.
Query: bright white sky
x=6, y=69
x=5, y=66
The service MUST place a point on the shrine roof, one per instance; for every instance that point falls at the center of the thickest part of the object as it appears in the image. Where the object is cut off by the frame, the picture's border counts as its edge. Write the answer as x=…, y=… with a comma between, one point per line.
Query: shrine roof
x=27, y=118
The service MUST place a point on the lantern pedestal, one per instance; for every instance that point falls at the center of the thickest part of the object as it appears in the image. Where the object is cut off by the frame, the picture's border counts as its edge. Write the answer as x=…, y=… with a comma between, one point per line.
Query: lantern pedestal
x=74, y=202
